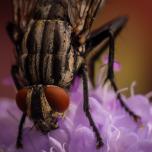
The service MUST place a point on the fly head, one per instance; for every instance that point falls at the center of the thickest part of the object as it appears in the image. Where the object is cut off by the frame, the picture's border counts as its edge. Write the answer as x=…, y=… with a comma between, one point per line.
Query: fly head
x=44, y=105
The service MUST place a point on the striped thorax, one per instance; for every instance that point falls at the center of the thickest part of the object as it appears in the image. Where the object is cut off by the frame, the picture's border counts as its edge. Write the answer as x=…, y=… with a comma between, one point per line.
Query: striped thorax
x=47, y=55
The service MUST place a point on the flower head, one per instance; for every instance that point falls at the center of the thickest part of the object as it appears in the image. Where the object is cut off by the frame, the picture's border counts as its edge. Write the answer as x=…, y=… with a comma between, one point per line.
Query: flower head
x=117, y=128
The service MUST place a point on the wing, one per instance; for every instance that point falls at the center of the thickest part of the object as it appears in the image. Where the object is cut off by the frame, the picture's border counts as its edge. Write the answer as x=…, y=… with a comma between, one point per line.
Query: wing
x=82, y=13
x=22, y=15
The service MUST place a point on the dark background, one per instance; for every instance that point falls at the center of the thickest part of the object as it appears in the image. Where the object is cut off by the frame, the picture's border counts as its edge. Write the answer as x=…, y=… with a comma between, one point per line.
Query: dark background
x=134, y=45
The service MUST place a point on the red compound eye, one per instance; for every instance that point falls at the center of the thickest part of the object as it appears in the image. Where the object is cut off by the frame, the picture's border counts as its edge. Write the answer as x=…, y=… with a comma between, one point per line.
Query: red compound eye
x=21, y=99
x=57, y=98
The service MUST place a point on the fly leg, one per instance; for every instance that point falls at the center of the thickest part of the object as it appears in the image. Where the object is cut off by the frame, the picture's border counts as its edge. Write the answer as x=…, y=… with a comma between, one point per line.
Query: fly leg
x=20, y=132
x=110, y=75
x=15, y=75
x=100, y=37
x=99, y=141
x=110, y=31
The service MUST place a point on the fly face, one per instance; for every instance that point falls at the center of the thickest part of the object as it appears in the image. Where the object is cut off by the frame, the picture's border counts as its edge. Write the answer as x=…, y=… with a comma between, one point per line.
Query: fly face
x=43, y=104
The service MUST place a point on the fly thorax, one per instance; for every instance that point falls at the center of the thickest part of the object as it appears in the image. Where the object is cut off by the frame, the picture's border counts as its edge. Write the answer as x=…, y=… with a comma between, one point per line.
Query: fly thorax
x=46, y=52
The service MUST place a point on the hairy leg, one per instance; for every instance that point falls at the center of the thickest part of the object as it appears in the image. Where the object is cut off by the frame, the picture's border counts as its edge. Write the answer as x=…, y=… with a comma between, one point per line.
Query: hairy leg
x=18, y=84
x=110, y=30
x=20, y=132
x=100, y=37
x=110, y=76
x=99, y=141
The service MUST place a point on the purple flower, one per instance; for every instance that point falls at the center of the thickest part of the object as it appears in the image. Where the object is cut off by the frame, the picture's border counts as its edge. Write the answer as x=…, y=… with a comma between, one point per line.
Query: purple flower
x=118, y=130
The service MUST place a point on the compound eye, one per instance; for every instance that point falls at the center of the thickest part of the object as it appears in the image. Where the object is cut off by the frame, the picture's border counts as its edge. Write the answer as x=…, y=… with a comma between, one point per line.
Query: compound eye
x=21, y=99
x=57, y=98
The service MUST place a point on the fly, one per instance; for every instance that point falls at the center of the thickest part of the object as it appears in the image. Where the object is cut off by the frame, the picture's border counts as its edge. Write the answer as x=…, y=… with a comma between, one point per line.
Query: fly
x=53, y=41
